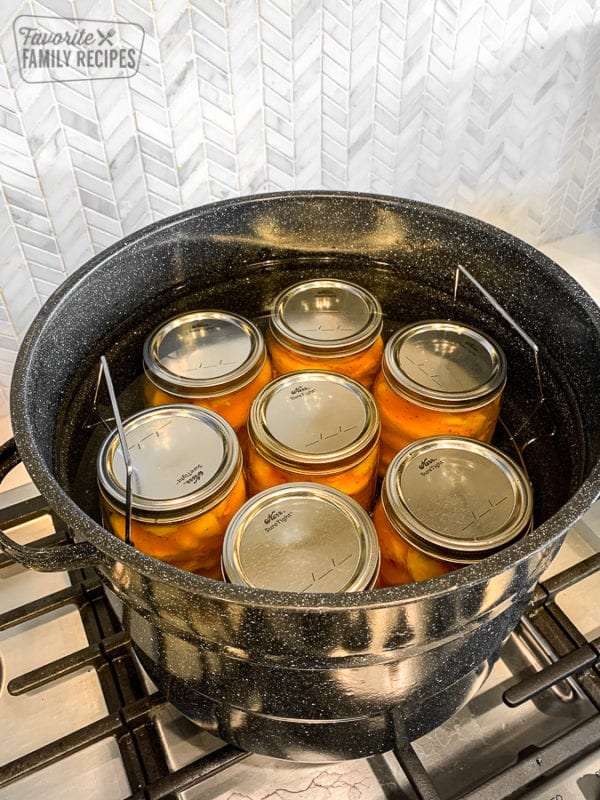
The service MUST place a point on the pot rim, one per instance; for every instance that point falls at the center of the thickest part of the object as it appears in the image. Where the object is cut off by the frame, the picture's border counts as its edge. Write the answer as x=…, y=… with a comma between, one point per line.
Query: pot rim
x=22, y=409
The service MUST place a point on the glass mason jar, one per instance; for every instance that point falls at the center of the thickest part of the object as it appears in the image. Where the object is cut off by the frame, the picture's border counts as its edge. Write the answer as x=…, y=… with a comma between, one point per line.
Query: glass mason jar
x=213, y=359
x=447, y=501
x=302, y=537
x=328, y=325
x=313, y=426
x=187, y=484
x=438, y=377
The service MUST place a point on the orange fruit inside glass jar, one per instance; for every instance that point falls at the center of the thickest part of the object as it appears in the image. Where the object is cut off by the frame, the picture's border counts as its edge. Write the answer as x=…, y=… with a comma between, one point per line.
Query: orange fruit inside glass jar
x=302, y=537
x=314, y=426
x=326, y=324
x=447, y=501
x=187, y=484
x=213, y=359
x=438, y=377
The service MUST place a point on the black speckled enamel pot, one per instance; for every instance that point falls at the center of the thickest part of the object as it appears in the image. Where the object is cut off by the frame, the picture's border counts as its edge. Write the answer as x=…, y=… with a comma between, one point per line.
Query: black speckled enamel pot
x=316, y=676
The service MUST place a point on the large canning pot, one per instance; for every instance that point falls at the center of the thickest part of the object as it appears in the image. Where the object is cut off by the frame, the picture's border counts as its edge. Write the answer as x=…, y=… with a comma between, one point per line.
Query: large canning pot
x=313, y=676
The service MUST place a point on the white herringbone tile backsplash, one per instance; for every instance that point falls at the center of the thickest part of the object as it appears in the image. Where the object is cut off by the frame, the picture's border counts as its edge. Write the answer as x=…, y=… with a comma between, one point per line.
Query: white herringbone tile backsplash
x=492, y=108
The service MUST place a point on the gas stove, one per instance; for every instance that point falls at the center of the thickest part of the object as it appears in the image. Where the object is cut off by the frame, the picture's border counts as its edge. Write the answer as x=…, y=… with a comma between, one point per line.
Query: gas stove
x=80, y=718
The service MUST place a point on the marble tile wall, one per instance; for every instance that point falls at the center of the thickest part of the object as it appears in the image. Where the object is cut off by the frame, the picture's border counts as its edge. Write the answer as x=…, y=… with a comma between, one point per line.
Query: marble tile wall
x=490, y=108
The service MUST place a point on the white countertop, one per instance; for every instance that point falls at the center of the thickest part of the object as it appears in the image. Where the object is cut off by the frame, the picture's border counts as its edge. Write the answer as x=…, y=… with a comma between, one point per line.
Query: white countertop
x=580, y=257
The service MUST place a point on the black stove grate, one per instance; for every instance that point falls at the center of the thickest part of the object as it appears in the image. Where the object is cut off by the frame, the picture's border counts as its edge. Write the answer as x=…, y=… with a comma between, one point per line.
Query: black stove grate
x=132, y=710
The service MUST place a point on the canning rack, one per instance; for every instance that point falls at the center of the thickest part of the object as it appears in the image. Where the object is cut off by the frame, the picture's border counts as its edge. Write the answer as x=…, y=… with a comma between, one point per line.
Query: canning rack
x=541, y=403
x=104, y=372
x=460, y=270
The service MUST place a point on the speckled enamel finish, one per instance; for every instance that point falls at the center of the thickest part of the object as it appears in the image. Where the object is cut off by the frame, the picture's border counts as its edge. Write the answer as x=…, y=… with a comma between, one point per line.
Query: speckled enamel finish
x=312, y=676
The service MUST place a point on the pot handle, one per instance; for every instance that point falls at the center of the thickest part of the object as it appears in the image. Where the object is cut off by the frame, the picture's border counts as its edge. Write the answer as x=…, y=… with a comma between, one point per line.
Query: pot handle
x=43, y=559
x=51, y=559
x=9, y=458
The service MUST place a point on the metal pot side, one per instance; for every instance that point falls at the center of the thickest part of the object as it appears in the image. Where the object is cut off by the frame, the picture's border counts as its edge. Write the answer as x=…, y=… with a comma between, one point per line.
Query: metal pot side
x=276, y=682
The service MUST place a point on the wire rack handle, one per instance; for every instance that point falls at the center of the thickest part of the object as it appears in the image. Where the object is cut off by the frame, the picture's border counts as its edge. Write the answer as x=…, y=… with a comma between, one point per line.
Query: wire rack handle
x=460, y=270
x=104, y=372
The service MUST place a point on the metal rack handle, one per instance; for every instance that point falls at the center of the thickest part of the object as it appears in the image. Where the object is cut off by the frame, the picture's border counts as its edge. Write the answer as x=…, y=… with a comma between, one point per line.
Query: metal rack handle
x=541, y=403
x=104, y=372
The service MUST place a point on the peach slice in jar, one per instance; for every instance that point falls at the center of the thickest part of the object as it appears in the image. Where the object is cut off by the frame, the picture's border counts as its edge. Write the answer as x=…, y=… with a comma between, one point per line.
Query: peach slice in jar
x=328, y=325
x=318, y=427
x=187, y=483
x=438, y=378
x=213, y=359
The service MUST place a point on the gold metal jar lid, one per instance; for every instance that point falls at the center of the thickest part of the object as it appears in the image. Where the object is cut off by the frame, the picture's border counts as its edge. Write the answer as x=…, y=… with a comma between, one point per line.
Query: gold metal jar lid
x=302, y=537
x=185, y=460
x=326, y=318
x=442, y=364
x=204, y=354
x=455, y=498
x=312, y=421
